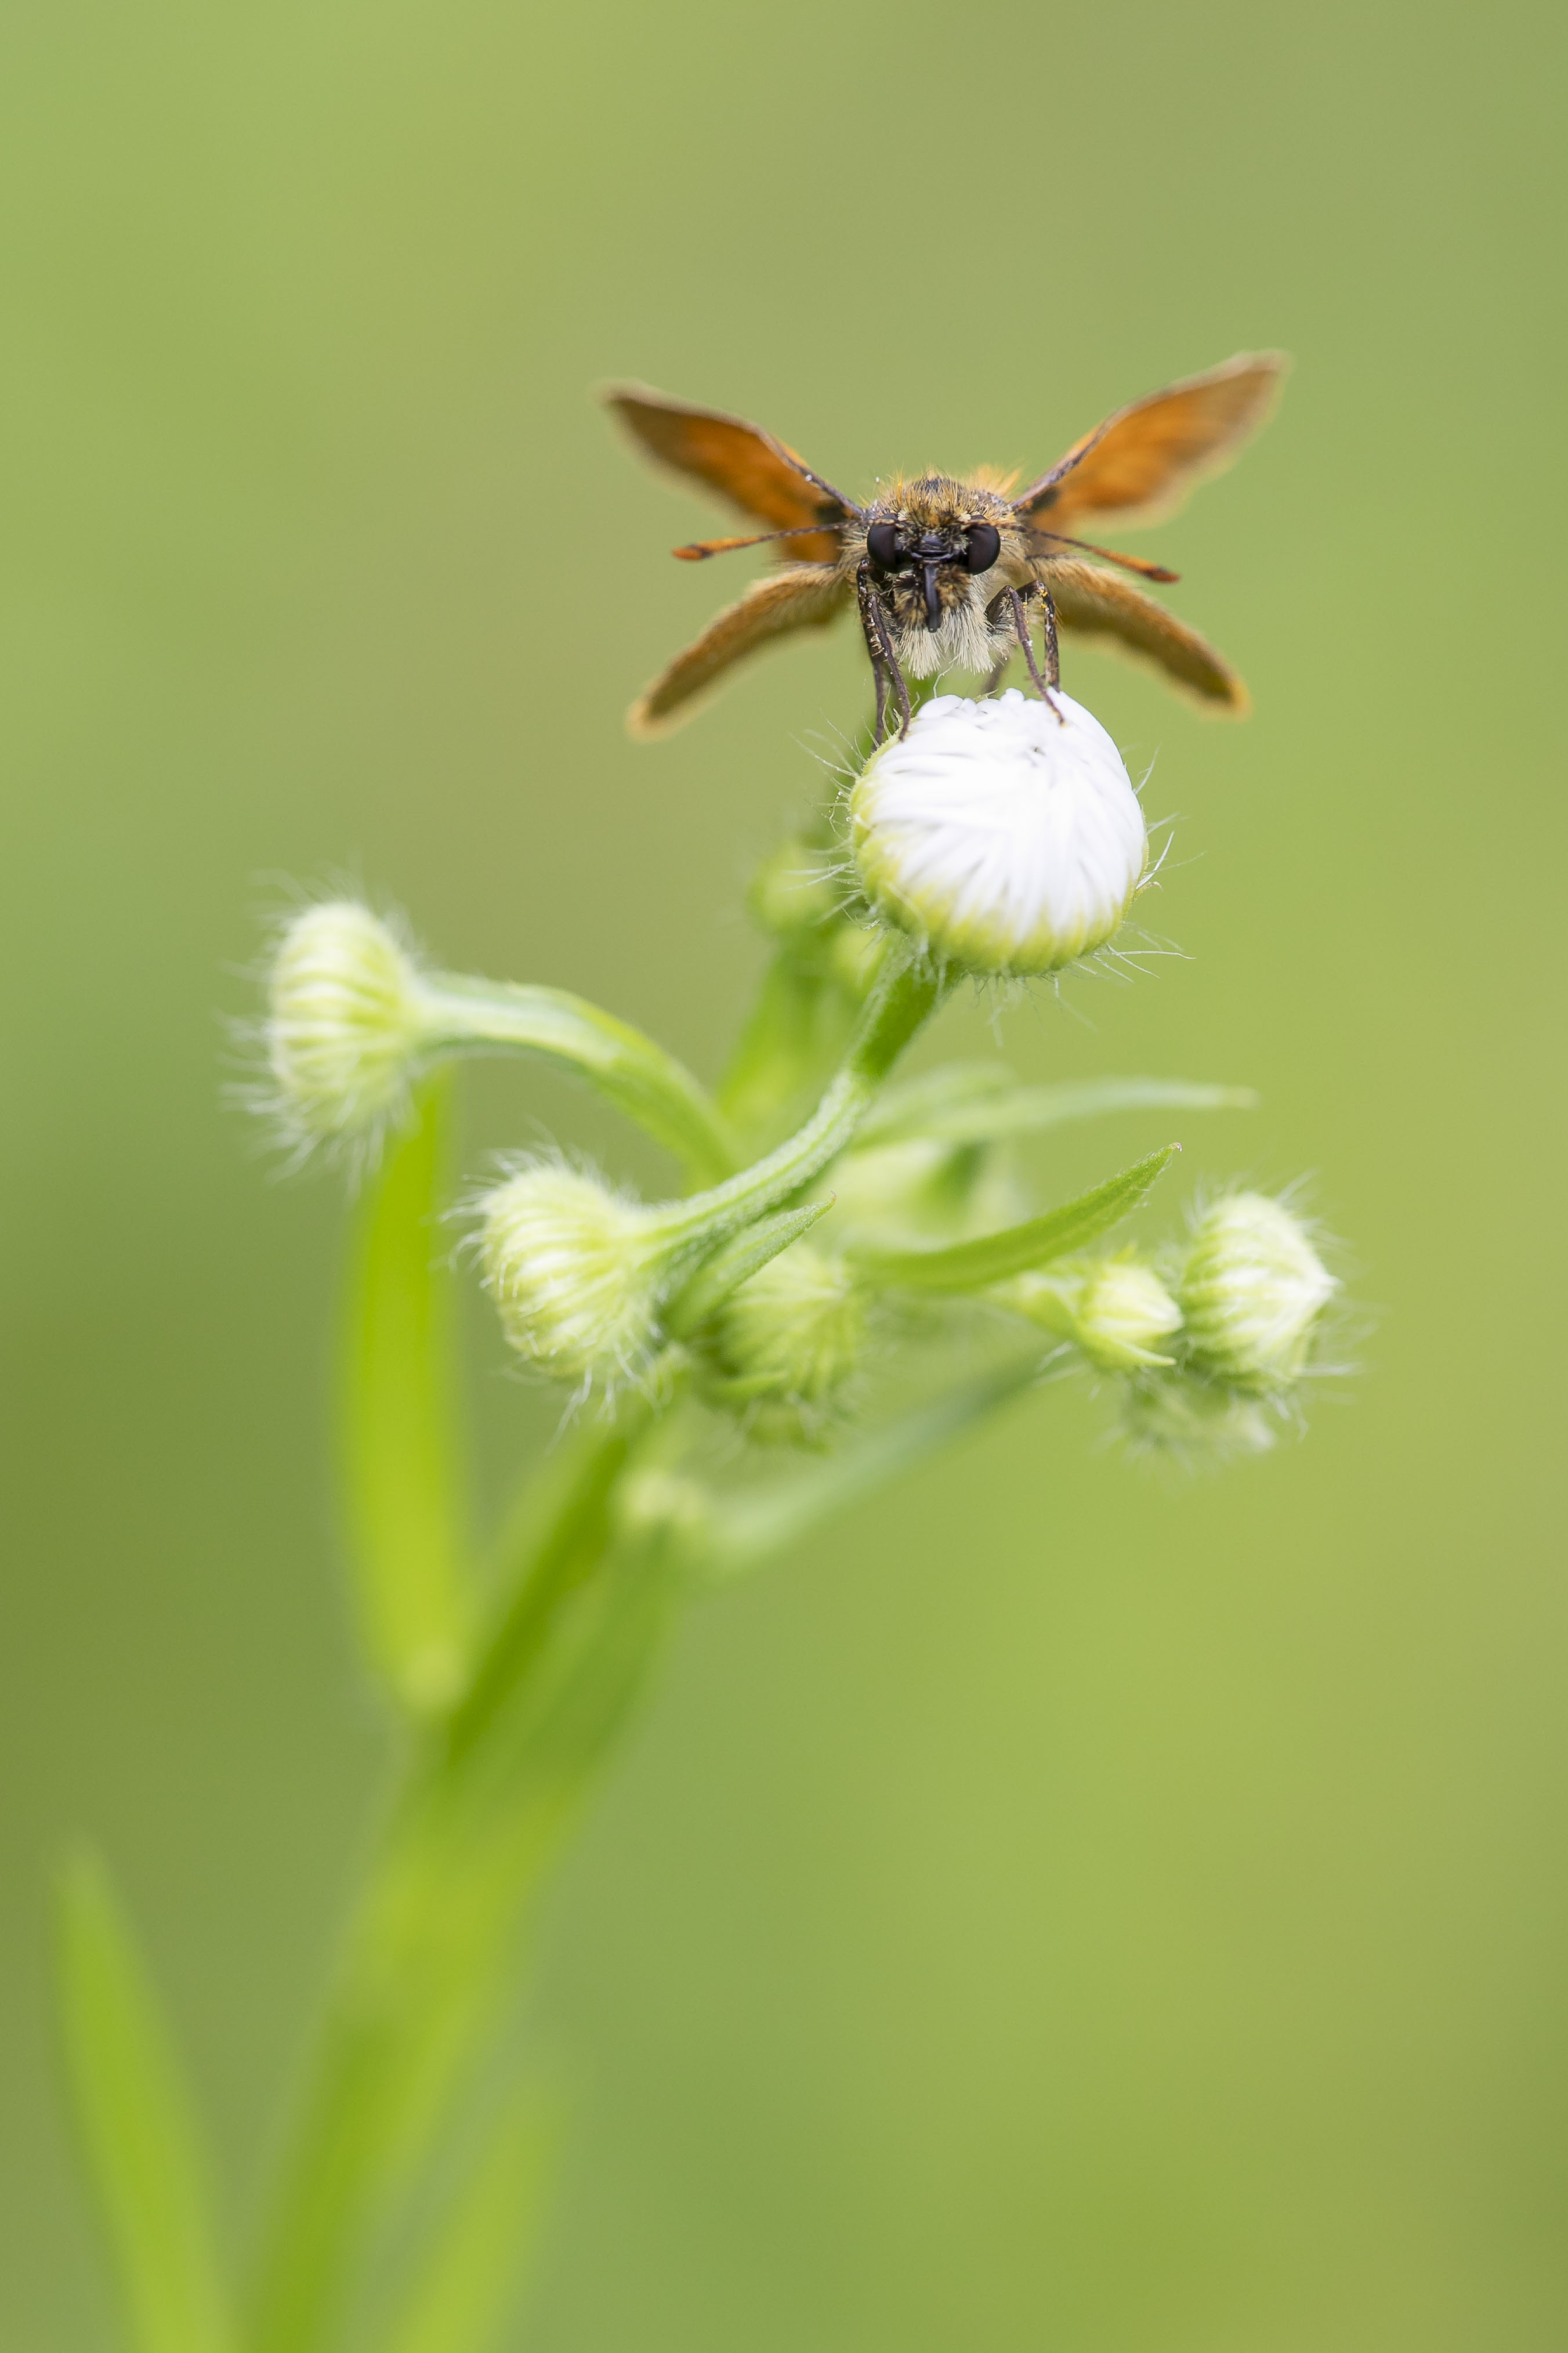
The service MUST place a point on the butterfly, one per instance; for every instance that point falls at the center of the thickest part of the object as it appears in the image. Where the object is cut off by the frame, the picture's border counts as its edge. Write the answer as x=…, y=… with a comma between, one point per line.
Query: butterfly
x=950, y=572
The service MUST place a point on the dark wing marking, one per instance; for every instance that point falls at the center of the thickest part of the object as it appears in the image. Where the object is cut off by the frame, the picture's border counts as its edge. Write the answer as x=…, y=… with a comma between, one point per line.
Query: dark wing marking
x=760, y=476
x=1146, y=457
x=804, y=596
x=1097, y=604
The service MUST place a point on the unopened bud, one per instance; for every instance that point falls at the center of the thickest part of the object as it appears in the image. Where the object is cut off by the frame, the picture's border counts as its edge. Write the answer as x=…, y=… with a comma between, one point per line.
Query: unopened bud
x=1251, y=1291
x=1002, y=838
x=1116, y=1310
x=343, y=1023
x=1195, y=1422
x=576, y=1272
x=781, y=1349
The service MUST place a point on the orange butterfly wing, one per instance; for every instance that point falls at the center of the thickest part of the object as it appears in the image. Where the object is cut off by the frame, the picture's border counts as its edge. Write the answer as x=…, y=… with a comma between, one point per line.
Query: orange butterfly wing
x=1146, y=457
x=803, y=596
x=1097, y=604
x=763, y=478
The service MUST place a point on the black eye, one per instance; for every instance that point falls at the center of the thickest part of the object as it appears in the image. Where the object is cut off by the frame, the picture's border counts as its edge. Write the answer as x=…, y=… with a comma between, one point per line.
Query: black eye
x=882, y=545
x=984, y=546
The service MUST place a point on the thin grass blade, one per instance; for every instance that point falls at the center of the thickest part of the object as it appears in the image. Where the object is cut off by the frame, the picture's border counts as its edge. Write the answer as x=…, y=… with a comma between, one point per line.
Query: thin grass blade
x=473, y=2271
x=137, y=2126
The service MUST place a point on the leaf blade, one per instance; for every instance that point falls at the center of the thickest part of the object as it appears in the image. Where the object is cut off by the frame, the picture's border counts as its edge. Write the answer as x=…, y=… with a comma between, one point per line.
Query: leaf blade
x=473, y=2271
x=735, y=1261
x=401, y=1468
x=959, y=1106
x=136, y=2126
x=975, y=1265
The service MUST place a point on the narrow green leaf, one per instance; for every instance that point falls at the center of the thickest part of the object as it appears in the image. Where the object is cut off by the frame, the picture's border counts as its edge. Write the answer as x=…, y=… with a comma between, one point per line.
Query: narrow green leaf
x=402, y=1478
x=735, y=1261
x=741, y=1531
x=963, y=1104
x=468, y=1016
x=991, y=1258
x=136, y=2127
x=472, y=2273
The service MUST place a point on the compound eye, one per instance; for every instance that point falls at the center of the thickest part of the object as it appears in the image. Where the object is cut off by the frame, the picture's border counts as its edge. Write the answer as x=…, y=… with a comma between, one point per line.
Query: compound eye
x=984, y=546
x=882, y=545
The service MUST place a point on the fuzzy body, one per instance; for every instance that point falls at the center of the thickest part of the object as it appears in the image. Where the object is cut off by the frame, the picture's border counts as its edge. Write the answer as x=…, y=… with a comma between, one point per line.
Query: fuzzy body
x=975, y=630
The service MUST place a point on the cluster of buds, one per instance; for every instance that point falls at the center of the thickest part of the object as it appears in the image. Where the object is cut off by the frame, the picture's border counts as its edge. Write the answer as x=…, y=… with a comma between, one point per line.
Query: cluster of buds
x=1213, y=1344
x=1000, y=839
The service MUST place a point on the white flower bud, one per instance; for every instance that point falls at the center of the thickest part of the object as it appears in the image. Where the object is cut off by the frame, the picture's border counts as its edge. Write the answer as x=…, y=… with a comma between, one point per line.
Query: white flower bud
x=576, y=1271
x=1002, y=839
x=1251, y=1290
x=781, y=1349
x=343, y=1023
x=1116, y=1310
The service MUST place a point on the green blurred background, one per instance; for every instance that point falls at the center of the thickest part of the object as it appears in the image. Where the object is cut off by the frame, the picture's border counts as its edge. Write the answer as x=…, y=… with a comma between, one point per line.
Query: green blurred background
x=1066, y=1909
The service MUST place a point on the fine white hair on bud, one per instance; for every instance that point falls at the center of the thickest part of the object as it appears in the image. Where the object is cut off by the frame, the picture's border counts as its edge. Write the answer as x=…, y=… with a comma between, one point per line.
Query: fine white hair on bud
x=1001, y=838
x=344, y=1024
x=1193, y=1423
x=577, y=1272
x=781, y=1349
x=1251, y=1290
x=1116, y=1310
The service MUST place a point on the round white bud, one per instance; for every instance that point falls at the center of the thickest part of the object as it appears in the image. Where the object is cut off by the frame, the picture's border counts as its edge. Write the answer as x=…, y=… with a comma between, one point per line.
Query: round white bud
x=576, y=1272
x=343, y=1022
x=1001, y=838
x=779, y=1351
x=1251, y=1290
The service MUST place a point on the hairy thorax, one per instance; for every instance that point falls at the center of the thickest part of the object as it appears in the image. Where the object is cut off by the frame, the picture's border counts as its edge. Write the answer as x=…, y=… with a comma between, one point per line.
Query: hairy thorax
x=925, y=540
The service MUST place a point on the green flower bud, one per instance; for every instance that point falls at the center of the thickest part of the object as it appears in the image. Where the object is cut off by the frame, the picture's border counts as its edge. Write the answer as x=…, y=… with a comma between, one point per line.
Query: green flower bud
x=576, y=1271
x=1116, y=1310
x=781, y=1349
x=1003, y=834
x=344, y=1021
x=1195, y=1422
x=1251, y=1291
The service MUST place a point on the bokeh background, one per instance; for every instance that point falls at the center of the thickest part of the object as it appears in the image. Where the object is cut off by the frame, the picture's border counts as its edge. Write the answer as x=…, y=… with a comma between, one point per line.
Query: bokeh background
x=1065, y=1909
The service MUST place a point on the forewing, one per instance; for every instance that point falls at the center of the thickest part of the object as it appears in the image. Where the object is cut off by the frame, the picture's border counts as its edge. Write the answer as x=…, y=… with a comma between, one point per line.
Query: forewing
x=1144, y=460
x=761, y=477
x=804, y=596
x=1098, y=604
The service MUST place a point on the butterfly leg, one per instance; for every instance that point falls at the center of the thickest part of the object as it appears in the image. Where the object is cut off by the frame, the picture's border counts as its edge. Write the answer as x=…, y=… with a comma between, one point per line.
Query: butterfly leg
x=1052, y=659
x=879, y=646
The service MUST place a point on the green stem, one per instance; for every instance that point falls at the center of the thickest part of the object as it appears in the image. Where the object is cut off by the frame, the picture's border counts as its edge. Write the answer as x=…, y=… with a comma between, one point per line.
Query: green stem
x=903, y=1000
x=464, y=1016
x=427, y=1959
